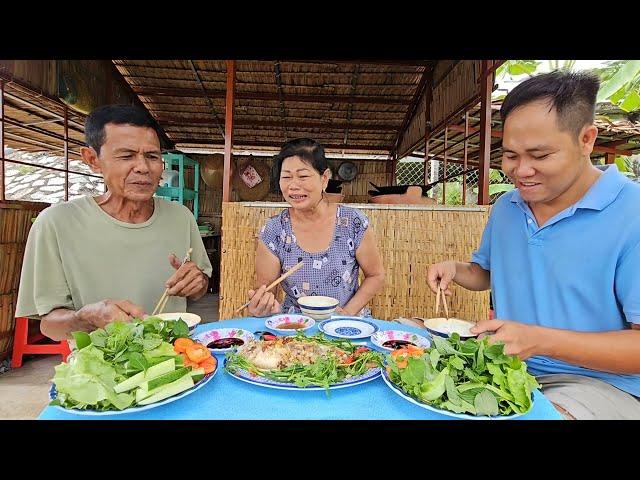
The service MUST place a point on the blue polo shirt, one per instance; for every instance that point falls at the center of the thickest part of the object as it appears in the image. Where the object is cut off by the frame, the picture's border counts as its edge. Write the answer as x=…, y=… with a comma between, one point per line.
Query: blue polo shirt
x=580, y=271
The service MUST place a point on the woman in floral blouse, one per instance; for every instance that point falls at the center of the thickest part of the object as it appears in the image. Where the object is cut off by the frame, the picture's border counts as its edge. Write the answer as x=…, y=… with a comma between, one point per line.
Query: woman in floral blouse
x=333, y=241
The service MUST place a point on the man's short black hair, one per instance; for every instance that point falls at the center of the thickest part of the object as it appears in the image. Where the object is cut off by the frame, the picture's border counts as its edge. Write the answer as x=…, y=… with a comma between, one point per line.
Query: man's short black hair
x=572, y=94
x=117, y=114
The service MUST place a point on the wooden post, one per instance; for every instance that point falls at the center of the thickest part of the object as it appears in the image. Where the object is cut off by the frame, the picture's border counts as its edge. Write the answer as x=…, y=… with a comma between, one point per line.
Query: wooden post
x=228, y=129
x=427, y=165
x=610, y=158
x=444, y=166
x=427, y=127
x=2, y=140
x=464, y=175
x=66, y=153
x=394, y=168
x=486, y=86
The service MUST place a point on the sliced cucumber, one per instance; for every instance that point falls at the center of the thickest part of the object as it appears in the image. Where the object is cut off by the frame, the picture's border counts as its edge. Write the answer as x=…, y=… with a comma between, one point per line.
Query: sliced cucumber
x=141, y=377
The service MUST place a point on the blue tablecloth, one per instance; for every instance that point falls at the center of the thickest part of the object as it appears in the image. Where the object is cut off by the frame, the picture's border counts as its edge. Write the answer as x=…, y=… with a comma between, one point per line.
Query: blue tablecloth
x=226, y=398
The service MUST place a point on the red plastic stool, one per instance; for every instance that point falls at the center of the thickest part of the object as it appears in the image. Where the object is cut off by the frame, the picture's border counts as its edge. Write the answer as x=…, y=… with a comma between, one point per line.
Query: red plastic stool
x=23, y=344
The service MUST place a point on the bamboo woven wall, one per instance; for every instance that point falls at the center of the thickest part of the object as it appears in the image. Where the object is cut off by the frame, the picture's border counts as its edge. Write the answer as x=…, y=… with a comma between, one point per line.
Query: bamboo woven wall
x=454, y=90
x=15, y=222
x=409, y=239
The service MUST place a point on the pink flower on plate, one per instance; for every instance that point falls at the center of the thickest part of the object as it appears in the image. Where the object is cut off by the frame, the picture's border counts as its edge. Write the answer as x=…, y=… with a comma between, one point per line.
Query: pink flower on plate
x=232, y=333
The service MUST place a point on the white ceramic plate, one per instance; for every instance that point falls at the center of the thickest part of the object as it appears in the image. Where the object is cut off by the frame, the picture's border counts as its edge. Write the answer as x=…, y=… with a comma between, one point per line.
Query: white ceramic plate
x=397, y=390
x=53, y=395
x=247, y=377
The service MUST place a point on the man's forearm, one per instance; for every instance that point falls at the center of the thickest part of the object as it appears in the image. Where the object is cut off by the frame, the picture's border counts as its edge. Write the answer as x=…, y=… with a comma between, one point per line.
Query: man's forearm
x=59, y=323
x=472, y=276
x=616, y=352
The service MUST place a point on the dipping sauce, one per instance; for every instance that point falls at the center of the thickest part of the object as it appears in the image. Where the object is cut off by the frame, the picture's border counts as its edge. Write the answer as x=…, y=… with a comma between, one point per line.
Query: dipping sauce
x=397, y=344
x=291, y=326
x=225, y=343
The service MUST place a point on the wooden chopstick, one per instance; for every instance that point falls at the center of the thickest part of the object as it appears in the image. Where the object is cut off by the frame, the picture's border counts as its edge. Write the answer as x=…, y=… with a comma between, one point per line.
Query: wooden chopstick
x=291, y=271
x=165, y=297
x=444, y=302
x=446, y=308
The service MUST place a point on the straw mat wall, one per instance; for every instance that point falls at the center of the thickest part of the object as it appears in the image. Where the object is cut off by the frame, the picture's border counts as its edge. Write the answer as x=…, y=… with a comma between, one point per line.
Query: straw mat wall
x=409, y=238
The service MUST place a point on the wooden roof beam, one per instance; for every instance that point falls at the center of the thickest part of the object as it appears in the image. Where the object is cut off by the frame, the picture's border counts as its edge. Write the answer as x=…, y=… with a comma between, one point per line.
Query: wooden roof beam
x=194, y=92
x=213, y=108
x=203, y=121
x=277, y=144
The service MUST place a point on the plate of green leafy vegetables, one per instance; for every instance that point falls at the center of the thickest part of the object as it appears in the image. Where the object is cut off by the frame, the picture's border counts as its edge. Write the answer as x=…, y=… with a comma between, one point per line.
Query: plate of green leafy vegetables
x=125, y=368
x=469, y=379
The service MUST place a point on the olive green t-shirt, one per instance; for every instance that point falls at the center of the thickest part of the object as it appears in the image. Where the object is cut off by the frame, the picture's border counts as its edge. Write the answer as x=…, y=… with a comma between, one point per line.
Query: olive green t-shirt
x=78, y=254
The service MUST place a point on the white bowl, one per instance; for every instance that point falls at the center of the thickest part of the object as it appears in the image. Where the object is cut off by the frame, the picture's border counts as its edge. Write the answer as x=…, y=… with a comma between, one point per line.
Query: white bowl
x=283, y=323
x=318, y=306
x=191, y=319
x=316, y=315
x=444, y=328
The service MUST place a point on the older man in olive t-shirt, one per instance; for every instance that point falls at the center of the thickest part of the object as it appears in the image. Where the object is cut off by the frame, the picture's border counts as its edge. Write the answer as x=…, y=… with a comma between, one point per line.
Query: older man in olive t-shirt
x=92, y=261
x=77, y=254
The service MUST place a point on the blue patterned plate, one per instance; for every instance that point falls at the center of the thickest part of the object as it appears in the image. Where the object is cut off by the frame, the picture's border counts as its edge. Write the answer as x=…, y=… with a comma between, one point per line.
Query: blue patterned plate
x=245, y=376
x=347, y=327
x=53, y=394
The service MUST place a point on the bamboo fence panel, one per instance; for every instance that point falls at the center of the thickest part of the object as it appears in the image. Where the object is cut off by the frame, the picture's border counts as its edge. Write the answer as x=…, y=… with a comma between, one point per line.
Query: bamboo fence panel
x=15, y=222
x=409, y=239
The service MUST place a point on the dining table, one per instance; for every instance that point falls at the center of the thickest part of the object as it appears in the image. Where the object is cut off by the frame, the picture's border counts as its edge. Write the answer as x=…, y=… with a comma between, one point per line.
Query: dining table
x=226, y=397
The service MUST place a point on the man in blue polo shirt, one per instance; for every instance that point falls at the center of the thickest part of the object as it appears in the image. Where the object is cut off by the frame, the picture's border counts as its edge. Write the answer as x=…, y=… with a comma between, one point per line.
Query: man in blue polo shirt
x=560, y=253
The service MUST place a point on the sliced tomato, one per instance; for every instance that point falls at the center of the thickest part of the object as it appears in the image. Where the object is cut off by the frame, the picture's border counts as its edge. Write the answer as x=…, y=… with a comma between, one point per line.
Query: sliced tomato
x=209, y=364
x=197, y=352
x=189, y=363
x=180, y=344
x=360, y=350
x=347, y=361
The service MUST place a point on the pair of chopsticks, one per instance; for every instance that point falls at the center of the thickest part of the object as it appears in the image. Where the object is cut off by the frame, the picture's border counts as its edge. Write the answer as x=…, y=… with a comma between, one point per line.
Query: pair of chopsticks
x=444, y=302
x=291, y=271
x=165, y=297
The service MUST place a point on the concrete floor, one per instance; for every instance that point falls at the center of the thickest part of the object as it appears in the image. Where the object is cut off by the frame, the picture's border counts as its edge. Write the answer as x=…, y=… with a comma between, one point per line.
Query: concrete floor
x=24, y=392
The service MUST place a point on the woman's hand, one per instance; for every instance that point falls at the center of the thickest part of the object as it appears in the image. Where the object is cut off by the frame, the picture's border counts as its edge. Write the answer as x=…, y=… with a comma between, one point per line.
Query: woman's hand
x=263, y=303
